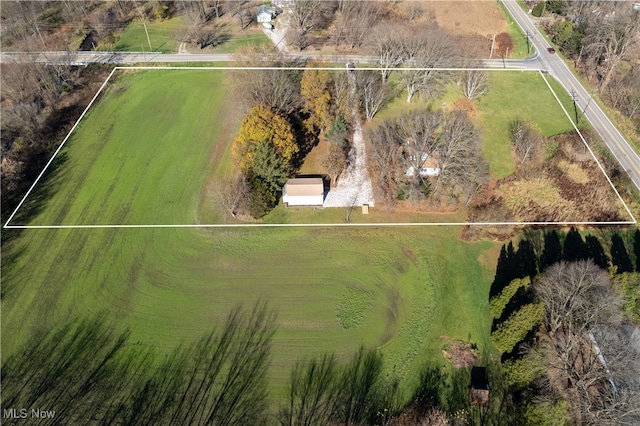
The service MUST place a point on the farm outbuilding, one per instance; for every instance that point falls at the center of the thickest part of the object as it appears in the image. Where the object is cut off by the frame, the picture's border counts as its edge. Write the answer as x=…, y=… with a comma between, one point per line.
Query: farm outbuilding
x=303, y=192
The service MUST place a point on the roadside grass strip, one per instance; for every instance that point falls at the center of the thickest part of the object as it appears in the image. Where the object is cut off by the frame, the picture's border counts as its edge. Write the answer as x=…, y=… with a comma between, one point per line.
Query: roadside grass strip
x=155, y=191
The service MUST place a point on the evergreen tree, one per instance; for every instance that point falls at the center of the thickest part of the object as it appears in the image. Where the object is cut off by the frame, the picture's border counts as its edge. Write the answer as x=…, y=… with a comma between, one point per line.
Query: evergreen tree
x=574, y=246
x=526, y=260
x=596, y=252
x=552, y=252
x=619, y=256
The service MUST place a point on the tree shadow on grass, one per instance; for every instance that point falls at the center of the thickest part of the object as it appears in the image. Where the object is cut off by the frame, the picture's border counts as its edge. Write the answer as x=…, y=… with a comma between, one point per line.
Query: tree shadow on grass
x=37, y=200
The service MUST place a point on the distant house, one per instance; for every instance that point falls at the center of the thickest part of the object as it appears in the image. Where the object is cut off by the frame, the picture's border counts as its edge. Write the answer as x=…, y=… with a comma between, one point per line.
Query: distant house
x=266, y=14
x=430, y=166
x=420, y=160
x=303, y=192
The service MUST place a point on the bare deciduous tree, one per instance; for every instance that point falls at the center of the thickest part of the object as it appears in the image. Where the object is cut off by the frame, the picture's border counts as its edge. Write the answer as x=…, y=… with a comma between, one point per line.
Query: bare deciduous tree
x=306, y=16
x=475, y=83
x=373, y=93
x=463, y=169
x=354, y=21
x=275, y=88
x=425, y=50
x=384, y=152
x=589, y=360
x=387, y=47
x=525, y=138
x=608, y=41
x=233, y=194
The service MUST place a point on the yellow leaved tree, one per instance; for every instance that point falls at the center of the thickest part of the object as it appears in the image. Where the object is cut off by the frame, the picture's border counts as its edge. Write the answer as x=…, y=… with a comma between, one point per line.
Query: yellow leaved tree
x=314, y=88
x=263, y=125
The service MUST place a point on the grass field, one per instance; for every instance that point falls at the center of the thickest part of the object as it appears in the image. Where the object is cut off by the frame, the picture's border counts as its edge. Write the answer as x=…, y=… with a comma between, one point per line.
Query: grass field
x=143, y=155
x=161, y=35
x=518, y=95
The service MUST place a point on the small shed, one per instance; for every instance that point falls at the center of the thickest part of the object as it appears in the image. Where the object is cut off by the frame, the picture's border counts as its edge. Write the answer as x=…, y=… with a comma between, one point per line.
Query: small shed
x=479, y=389
x=303, y=192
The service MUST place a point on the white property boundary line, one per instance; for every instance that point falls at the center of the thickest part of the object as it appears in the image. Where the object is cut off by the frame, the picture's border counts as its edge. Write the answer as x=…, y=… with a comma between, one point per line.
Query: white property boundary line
x=250, y=225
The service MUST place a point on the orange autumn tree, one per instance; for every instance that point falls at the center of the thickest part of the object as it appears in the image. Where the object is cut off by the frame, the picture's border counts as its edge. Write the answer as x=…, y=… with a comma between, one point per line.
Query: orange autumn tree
x=263, y=125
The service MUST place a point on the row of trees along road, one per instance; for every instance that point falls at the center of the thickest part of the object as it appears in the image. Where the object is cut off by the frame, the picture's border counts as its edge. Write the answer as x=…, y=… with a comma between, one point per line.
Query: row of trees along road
x=559, y=304
x=602, y=38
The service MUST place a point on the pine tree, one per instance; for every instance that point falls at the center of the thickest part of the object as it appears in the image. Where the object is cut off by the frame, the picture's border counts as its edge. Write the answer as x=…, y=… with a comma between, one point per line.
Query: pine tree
x=596, y=252
x=619, y=256
x=526, y=260
x=574, y=246
x=552, y=251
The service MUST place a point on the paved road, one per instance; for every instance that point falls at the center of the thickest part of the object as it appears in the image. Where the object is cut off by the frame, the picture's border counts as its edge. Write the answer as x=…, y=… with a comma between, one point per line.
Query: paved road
x=623, y=152
x=84, y=58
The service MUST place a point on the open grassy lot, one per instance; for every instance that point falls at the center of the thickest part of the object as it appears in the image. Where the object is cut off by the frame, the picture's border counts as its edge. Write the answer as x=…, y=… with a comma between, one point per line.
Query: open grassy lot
x=161, y=35
x=515, y=95
x=399, y=289
x=143, y=155
x=163, y=39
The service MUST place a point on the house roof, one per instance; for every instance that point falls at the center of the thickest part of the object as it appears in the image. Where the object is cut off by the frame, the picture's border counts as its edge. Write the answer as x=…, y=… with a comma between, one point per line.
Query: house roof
x=304, y=186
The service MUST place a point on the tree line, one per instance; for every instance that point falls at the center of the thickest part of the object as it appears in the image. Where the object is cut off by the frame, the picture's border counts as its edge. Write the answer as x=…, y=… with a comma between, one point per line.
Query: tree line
x=87, y=373
x=559, y=304
x=602, y=39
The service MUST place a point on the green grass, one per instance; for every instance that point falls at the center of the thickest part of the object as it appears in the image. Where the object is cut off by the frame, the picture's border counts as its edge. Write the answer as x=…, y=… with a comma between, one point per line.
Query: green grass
x=143, y=155
x=519, y=38
x=161, y=35
x=515, y=95
x=170, y=286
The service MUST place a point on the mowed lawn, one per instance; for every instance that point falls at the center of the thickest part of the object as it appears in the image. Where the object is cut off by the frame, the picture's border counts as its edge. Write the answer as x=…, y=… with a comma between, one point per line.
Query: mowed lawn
x=143, y=155
x=518, y=95
x=399, y=289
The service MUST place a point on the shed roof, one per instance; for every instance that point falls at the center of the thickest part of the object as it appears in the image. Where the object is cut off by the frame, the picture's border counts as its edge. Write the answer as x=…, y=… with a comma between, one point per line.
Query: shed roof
x=304, y=186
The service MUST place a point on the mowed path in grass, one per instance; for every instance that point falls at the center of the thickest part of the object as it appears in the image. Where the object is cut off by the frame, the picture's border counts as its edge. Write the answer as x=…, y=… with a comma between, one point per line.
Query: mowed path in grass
x=143, y=156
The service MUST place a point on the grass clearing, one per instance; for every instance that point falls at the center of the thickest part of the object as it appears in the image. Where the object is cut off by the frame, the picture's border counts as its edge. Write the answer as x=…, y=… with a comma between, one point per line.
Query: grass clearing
x=143, y=155
x=161, y=36
x=520, y=47
x=515, y=95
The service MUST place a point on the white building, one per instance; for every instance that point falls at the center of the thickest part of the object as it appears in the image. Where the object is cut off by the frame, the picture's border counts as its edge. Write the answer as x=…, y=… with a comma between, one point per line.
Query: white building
x=303, y=192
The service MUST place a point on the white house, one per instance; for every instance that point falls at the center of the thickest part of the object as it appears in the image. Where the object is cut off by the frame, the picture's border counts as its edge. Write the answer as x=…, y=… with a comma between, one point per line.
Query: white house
x=303, y=192
x=266, y=14
x=430, y=166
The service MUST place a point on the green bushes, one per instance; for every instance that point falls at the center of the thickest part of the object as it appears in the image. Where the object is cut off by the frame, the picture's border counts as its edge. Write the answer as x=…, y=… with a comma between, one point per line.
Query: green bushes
x=538, y=9
x=517, y=326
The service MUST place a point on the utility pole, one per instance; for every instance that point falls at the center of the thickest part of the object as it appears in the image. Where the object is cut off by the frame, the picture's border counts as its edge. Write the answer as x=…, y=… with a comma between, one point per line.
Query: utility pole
x=147, y=33
x=492, y=44
x=575, y=107
x=527, y=42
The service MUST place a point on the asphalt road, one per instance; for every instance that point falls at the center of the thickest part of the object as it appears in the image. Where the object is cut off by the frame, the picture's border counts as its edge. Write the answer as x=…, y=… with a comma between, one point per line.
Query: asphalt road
x=555, y=66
